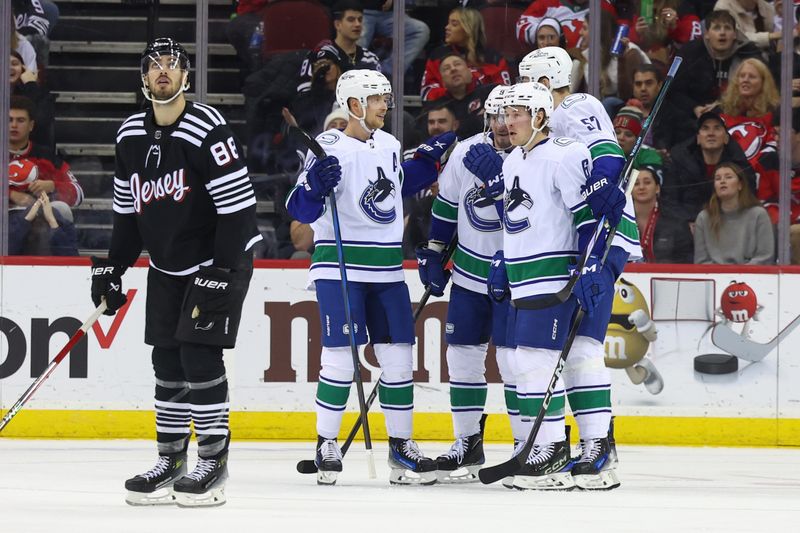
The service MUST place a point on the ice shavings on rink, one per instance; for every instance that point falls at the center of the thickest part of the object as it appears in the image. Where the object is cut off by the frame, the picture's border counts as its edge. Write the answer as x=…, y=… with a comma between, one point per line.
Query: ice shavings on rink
x=66, y=486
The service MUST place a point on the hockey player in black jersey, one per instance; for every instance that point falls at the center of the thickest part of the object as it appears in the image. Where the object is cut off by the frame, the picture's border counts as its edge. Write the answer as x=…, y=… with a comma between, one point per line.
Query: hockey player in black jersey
x=182, y=191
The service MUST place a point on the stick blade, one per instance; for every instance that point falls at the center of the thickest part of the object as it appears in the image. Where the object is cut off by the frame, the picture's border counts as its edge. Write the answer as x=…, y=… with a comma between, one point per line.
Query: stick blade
x=306, y=466
x=493, y=474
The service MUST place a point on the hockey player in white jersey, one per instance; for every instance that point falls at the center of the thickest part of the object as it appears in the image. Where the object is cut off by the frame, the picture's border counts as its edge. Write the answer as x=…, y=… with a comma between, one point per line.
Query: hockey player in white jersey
x=363, y=165
x=581, y=116
x=472, y=316
x=551, y=206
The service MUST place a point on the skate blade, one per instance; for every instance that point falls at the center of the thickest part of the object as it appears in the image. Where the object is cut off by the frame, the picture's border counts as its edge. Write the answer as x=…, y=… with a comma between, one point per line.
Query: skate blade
x=603, y=480
x=212, y=498
x=508, y=482
x=465, y=474
x=162, y=496
x=402, y=476
x=557, y=481
x=327, y=477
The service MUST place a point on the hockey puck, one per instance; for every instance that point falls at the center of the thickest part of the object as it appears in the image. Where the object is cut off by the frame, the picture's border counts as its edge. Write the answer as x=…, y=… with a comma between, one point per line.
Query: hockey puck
x=716, y=363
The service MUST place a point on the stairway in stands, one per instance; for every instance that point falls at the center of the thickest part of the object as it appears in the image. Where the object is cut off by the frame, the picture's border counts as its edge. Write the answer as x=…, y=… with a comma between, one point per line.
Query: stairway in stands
x=94, y=73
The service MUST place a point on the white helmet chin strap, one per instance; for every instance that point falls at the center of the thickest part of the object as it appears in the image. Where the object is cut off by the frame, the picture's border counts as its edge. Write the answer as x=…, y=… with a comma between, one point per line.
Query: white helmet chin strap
x=361, y=120
x=184, y=87
x=534, y=132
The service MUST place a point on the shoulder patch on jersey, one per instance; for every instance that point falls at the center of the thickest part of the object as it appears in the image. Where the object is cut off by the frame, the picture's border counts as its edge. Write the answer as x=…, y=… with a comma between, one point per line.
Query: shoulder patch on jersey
x=573, y=99
x=563, y=141
x=327, y=138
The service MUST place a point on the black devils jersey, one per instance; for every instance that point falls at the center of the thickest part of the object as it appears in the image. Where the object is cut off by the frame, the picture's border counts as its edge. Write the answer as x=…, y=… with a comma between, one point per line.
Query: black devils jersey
x=182, y=192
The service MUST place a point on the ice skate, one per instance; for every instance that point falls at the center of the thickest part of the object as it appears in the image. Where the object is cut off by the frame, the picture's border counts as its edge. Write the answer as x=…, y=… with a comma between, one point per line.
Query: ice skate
x=612, y=445
x=409, y=466
x=594, y=470
x=205, y=485
x=328, y=461
x=547, y=468
x=154, y=487
x=461, y=463
x=508, y=481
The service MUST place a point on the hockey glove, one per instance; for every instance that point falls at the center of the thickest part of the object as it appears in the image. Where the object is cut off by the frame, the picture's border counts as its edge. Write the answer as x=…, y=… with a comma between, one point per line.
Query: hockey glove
x=435, y=147
x=432, y=272
x=323, y=176
x=497, y=281
x=107, y=284
x=604, y=198
x=593, y=283
x=484, y=161
x=210, y=297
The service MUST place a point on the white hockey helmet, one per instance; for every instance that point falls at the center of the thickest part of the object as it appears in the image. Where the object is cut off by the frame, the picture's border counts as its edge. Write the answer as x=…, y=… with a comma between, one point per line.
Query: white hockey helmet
x=533, y=96
x=494, y=102
x=551, y=62
x=361, y=84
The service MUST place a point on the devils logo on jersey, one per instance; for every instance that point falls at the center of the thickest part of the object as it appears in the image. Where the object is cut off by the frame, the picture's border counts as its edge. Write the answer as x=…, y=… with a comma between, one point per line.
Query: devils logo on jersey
x=377, y=200
x=516, y=198
x=474, y=200
x=750, y=136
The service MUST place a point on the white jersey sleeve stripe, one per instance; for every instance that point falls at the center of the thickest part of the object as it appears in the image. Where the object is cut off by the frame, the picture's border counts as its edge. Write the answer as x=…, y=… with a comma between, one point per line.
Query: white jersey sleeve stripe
x=200, y=122
x=130, y=133
x=237, y=207
x=194, y=140
x=226, y=178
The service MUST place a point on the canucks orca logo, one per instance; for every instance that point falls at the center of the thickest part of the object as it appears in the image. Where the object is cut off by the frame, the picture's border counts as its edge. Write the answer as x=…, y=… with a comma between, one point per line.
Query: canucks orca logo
x=378, y=193
x=515, y=198
x=475, y=199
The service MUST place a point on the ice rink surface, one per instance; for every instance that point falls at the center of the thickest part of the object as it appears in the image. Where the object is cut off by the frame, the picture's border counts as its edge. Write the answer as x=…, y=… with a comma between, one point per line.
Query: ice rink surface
x=77, y=486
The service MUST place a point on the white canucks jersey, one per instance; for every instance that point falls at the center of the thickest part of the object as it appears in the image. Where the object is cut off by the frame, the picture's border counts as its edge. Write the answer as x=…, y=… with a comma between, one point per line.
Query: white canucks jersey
x=543, y=211
x=370, y=208
x=581, y=116
x=480, y=231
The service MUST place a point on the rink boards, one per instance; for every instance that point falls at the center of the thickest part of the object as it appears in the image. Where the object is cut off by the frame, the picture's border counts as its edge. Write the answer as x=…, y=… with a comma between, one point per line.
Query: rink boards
x=104, y=388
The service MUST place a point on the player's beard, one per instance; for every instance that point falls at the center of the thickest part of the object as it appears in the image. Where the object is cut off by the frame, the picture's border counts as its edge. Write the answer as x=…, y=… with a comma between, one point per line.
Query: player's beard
x=165, y=92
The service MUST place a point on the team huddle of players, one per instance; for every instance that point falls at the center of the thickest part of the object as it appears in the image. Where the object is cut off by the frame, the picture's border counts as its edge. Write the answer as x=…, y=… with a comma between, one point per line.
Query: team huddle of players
x=524, y=199
x=519, y=203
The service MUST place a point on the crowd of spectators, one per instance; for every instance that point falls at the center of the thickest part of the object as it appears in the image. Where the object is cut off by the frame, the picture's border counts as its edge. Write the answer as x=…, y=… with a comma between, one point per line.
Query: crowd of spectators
x=716, y=132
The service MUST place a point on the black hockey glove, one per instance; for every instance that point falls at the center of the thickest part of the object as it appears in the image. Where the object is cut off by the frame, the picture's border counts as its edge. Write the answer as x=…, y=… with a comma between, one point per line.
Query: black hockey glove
x=107, y=284
x=210, y=297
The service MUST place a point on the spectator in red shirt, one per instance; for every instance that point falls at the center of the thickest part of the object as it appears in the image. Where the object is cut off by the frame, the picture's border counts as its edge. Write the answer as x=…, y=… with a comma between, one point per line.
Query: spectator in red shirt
x=55, y=177
x=465, y=35
x=674, y=24
x=748, y=108
x=570, y=13
x=54, y=190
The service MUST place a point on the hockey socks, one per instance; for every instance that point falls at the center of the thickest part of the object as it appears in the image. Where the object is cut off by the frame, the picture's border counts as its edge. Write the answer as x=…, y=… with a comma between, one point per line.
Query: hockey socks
x=588, y=383
x=210, y=412
x=534, y=370
x=467, y=369
x=333, y=390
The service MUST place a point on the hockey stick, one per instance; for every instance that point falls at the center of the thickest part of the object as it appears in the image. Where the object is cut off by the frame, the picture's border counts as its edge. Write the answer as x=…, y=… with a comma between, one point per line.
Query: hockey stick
x=513, y=465
x=53, y=364
x=627, y=181
x=724, y=337
x=317, y=150
x=307, y=466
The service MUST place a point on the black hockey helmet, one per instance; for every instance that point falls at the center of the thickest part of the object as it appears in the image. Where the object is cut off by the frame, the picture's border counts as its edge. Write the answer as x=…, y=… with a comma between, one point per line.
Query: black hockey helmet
x=165, y=46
